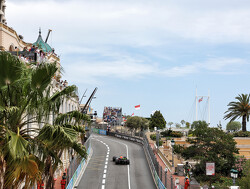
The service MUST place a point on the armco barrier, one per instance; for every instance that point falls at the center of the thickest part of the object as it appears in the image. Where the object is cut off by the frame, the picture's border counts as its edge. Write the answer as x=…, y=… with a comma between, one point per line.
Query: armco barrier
x=141, y=141
x=77, y=172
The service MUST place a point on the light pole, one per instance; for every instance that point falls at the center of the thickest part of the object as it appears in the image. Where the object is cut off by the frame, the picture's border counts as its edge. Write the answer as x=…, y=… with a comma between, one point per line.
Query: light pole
x=166, y=172
x=157, y=138
x=234, y=175
x=172, y=144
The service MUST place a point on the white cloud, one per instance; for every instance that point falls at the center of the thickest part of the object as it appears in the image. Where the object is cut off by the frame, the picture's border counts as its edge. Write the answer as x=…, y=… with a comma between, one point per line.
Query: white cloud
x=125, y=68
x=137, y=23
x=122, y=66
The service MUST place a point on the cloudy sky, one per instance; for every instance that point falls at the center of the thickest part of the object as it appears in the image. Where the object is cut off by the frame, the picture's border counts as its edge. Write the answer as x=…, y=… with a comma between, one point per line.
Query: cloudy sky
x=152, y=53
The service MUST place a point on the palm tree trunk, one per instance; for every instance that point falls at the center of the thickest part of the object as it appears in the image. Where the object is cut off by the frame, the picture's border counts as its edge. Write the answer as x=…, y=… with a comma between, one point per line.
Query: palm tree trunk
x=244, y=123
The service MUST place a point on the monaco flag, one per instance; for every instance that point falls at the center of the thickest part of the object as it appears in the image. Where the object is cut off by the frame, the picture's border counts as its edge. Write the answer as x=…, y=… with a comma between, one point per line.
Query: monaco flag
x=132, y=114
x=138, y=107
x=200, y=99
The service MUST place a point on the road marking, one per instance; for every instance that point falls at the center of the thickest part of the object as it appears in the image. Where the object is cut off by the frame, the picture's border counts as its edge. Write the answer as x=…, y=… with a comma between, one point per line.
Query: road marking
x=127, y=157
x=106, y=162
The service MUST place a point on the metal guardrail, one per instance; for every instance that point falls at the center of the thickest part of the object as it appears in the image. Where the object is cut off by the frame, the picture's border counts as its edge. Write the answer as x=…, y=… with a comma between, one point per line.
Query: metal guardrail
x=76, y=166
x=152, y=161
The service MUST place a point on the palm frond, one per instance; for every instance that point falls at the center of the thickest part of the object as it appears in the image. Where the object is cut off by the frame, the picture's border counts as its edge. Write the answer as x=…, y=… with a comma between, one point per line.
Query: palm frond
x=41, y=77
x=10, y=69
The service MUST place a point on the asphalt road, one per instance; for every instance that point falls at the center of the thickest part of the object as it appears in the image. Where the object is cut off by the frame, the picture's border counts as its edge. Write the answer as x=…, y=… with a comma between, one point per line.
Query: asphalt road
x=102, y=173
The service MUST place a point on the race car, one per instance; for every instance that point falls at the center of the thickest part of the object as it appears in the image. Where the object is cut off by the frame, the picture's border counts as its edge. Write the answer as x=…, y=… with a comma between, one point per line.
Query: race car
x=122, y=160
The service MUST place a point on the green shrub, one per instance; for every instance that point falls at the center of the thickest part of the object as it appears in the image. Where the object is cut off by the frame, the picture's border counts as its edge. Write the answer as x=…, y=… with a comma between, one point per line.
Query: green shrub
x=153, y=137
x=166, y=133
x=176, y=134
x=241, y=134
x=160, y=143
x=170, y=133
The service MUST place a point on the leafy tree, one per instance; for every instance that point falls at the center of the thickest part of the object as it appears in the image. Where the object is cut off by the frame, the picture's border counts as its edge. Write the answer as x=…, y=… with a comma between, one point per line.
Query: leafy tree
x=198, y=124
x=183, y=122
x=240, y=108
x=170, y=124
x=240, y=164
x=187, y=125
x=28, y=155
x=157, y=120
x=135, y=123
x=177, y=125
x=233, y=126
x=245, y=180
x=209, y=145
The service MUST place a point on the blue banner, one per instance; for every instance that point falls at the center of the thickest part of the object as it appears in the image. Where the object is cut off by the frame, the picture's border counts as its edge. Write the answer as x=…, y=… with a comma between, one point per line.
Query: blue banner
x=102, y=132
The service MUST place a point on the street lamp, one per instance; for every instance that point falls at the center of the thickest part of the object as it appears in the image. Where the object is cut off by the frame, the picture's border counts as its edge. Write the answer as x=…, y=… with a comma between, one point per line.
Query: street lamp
x=157, y=138
x=234, y=175
x=172, y=144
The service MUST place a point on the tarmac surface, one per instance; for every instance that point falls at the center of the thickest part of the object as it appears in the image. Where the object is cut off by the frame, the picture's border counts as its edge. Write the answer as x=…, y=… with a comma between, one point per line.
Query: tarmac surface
x=102, y=173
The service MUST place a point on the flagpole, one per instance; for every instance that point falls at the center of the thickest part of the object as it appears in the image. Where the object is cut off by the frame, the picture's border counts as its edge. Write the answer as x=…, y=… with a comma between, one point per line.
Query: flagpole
x=208, y=107
x=196, y=113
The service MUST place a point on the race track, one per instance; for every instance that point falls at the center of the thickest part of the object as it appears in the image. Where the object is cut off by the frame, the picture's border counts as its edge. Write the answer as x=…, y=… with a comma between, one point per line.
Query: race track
x=102, y=173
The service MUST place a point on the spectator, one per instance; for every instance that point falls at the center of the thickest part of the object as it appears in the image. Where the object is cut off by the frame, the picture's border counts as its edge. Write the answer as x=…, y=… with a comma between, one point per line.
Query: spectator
x=187, y=184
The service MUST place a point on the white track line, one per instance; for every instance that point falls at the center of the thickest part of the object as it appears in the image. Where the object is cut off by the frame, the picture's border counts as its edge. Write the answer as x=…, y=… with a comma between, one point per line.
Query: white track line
x=127, y=157
x=106, y=164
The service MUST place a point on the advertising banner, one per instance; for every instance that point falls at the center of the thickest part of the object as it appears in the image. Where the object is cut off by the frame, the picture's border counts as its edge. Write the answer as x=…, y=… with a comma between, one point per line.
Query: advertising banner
x=210, y=168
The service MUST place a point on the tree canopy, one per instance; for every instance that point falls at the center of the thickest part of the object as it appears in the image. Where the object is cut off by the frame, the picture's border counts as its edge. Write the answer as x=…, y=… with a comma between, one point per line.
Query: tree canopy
x=233, y=126
x=245, y=179
x=135, y=122
x=157, y=120
x=209, y=145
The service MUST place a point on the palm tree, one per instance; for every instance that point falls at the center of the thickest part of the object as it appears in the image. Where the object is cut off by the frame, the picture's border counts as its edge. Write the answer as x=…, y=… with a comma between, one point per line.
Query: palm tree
x=240, y=108
x=25, y=98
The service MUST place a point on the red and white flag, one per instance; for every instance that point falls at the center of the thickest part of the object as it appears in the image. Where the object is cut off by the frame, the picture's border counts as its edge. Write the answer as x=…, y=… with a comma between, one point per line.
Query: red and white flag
x=138, y=107
x=200, y=99
x=132, y=114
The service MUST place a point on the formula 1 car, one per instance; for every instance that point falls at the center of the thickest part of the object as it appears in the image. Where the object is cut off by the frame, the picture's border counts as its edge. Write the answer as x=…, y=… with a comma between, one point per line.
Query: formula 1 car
x=122, y=160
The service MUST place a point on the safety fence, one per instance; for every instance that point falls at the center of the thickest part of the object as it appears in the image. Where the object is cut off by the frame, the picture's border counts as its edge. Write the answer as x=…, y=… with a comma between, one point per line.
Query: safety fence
x=152, y=161
x=76, y=166
x=163, y=176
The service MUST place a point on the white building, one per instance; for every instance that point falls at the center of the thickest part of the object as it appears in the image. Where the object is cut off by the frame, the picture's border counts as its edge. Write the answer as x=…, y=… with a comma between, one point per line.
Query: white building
x=11, y=41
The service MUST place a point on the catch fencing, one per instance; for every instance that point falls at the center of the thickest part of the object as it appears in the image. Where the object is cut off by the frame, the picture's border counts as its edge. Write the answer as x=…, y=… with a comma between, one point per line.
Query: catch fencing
x=76, y=166
x=163, y=177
